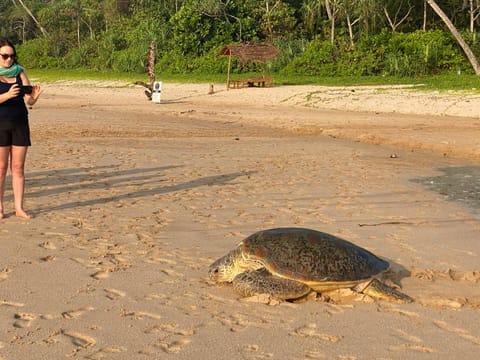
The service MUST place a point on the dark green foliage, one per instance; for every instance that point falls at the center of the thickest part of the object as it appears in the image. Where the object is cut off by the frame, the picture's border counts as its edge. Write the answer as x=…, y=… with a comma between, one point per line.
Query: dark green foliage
x=422, y=53
x=393, y=54
x=317, y=59
x=40, y=53
x=115, y=35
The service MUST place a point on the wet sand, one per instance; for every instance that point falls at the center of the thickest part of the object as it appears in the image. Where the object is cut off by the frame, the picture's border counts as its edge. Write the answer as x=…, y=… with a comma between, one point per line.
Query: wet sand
x=457, y=183
x=134, y=200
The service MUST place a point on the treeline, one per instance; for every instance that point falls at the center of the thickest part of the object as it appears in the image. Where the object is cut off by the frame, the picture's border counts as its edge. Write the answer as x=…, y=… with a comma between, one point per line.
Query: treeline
x=315, y=37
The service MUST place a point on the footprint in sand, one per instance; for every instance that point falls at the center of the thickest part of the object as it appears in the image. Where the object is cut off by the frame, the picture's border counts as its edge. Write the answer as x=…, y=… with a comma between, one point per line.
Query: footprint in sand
x=84, y=262
x=439, y=302
x=237, y=322
x=114, y=294
x=4, y=274
x=101, y=274
x=24, y=320
x=396, y=310
x=414, y=343
x=171, y=330
x=418, y=348
x=170, y=272
x=174, y=347
x=105, y=352
x=446, y=278
x=408, y=337
x=252, y=351
x=314, y=355
x=79, y=339
x=310, y=330
x=76, y=314
x=140, y=315
x=48, y=258
x=449, y=274
x=464, y=334
x=335, y=309
x=48, y=245
x=156, y=297
x=11, y=303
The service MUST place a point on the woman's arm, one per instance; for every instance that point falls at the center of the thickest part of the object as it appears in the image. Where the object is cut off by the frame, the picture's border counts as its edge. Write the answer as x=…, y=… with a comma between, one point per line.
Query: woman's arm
x=32, y=98
x=10, y=94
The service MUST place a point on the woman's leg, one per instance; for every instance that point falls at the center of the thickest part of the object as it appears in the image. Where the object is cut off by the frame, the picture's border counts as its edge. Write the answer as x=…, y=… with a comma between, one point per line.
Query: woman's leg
x=17, y=163
x=4, y=156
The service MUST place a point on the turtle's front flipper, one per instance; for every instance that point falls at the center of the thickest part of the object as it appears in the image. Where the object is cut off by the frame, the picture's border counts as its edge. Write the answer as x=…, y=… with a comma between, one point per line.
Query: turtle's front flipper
x=379, y=290
x=262, y=282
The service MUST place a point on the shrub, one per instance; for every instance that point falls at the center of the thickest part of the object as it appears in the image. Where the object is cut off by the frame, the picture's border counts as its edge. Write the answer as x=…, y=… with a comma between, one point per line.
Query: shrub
x=395, y=54
x=422, y=53
x=37, y=54
x=317, y=59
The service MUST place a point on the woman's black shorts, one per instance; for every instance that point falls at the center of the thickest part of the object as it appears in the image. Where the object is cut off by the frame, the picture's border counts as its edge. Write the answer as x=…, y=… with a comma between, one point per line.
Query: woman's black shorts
x=19, y=135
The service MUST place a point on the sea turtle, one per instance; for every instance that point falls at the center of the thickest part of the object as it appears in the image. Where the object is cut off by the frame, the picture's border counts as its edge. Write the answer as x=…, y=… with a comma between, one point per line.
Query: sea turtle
x=288, y=263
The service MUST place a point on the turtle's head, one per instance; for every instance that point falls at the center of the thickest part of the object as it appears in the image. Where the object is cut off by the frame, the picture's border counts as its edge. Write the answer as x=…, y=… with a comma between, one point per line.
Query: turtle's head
x=226, y=268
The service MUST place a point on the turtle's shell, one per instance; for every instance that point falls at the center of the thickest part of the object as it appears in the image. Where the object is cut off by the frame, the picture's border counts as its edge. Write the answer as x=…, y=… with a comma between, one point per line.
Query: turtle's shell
x=311, y=256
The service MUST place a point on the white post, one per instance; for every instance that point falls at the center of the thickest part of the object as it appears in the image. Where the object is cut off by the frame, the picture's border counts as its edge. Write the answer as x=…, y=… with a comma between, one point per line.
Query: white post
x=156, y=92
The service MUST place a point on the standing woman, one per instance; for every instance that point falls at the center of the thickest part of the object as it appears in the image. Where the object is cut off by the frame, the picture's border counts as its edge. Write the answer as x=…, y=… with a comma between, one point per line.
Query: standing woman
x=14, y=129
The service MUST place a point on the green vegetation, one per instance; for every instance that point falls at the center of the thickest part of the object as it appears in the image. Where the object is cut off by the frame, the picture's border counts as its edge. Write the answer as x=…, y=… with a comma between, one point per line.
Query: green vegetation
x=462, y=82
x=320, y=41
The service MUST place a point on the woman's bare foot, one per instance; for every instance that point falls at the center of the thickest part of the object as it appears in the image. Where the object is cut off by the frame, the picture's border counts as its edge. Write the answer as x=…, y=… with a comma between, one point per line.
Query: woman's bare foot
x=2, y=215
x=23, y=214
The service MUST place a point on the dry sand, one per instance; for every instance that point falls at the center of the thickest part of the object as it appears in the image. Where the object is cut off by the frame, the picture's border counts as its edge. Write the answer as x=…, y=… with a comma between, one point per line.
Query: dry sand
x=134, y=200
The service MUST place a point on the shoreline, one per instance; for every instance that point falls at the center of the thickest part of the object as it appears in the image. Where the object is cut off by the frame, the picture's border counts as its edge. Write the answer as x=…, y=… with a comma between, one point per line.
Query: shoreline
x=134, y=201
x=445, y=124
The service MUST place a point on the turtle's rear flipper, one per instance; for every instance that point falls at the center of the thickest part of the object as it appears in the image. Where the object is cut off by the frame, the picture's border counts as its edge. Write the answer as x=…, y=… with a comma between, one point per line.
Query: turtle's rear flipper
x=262, y=282
x=378, y=290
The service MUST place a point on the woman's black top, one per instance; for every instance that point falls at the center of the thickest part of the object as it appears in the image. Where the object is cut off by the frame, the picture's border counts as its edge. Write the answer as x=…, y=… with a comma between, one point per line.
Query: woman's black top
x=13, y=111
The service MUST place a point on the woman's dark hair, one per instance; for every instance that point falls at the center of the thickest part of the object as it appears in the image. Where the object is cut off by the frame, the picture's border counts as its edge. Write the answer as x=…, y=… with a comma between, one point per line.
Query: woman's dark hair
x=8, y=43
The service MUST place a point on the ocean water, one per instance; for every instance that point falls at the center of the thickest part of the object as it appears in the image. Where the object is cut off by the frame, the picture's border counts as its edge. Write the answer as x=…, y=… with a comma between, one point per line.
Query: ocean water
x=457, y=183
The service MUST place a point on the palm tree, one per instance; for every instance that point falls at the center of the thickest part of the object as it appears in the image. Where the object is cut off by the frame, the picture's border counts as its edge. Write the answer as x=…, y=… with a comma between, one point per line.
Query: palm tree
x=44, y=32
x=468, y=52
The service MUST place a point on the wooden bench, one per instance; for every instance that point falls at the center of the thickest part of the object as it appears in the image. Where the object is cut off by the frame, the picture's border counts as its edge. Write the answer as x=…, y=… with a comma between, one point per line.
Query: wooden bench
x=250, y=82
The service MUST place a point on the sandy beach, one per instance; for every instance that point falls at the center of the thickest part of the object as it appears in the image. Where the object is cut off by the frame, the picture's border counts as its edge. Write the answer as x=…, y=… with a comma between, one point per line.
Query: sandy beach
x=134, y=200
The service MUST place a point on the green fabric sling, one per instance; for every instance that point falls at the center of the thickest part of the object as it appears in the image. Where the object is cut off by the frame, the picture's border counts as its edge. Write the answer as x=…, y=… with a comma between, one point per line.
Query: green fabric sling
x=11, y=71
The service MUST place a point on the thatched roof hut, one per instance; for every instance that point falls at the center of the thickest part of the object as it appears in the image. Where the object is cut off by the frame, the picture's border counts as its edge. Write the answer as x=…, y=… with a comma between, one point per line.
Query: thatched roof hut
x=260, y=52
x=253, y=52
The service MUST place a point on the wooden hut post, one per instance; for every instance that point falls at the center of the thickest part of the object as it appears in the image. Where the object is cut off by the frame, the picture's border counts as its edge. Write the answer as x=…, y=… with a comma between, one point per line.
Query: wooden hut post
x=229, y=64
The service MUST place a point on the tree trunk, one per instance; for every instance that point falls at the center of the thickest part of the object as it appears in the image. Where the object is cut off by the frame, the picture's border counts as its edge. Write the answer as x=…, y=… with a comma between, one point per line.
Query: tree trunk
x=474, y=14
x=328, y=8
x=424, y=26
x=470, y=55
x=78, y=19
x=472, y=18
x=332, y=31
x=350, y=30
x=331, y=13
x=33, y=18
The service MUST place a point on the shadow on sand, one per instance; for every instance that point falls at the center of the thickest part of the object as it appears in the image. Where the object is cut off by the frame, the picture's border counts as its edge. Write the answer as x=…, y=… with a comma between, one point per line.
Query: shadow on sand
x=85, y=186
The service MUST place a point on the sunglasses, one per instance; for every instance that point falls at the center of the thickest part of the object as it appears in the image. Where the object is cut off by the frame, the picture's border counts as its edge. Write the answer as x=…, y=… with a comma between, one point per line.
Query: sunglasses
x=7, y=56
